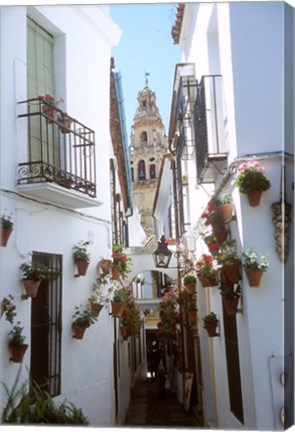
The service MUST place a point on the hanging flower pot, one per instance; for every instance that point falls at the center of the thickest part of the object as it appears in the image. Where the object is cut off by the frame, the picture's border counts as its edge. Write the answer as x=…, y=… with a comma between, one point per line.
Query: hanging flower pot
x=188, y=296
x=231, y=304
x=50, y=113
x=254, y=276
x=192, y=316
x=95, y=308
x=211, y=329
x=66, y=121
x=254, y=197
x=82, y=267
x=79, y=330
x=208, y=281
x=5, y=234
x=226, y=212
x=17, y=352
x=124, y=332
x=117, y=309
x=105, y=265
x=115, y=273
x=231, y=273
x=221, y=233
x=31, y=286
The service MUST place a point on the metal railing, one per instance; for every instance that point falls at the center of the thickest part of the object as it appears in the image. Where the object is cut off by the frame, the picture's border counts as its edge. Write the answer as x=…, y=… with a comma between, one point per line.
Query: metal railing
x=210, y=121
x=61, y=150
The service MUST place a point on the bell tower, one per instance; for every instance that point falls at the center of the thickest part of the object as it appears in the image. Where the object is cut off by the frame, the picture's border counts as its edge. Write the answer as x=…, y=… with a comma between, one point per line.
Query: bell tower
x=148, y=145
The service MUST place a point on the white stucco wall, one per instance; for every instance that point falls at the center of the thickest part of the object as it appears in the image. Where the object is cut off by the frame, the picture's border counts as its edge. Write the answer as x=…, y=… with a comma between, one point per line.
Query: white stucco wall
x=83, y=81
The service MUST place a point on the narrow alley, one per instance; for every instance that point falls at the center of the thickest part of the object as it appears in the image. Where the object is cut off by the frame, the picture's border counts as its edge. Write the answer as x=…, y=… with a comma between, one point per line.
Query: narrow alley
x=147, y=409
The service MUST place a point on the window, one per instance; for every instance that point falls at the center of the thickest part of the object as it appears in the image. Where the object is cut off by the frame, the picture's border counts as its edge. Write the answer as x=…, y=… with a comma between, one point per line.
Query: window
x=143, y=139
x=46, y=320
x=233, y=365
x=141, y=170
x=152, y=171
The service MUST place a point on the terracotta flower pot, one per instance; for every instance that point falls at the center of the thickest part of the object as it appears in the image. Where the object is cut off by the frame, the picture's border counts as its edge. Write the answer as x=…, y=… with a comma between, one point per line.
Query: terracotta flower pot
x=50, y=113
x=253, y=276
x=95, y=308
x=188, y=296
x=79, y=331
x=211, y=329
x=115, y=274
x=5, y=234
x=82, y=267
x=67, y=122
x=124, y=332
x=226, y=212
x=105, y=265
x=17, y=352
x=254, y=197
x=190, y=287
x=192, y=316
x=31, y=286
x=231, y=273
x=231, y=305
x=220, y=233
x=117, y=309
x=208, y=281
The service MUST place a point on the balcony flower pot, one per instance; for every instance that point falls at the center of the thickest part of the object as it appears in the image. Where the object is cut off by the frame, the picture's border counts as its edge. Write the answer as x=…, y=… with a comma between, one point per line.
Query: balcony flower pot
x=6, y=229
x=66, y=122
x=50, y=113
x=81, y=257
x=254, y=264
x=16, y=344
x=252, y=182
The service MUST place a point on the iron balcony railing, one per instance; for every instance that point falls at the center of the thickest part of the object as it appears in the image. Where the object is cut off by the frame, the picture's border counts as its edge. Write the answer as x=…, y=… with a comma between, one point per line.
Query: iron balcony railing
x=61, y=150
x=210, y=123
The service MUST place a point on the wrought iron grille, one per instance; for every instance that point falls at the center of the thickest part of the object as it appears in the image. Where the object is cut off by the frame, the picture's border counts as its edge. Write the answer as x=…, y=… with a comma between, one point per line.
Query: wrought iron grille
x=60, y=149
x=200, y=122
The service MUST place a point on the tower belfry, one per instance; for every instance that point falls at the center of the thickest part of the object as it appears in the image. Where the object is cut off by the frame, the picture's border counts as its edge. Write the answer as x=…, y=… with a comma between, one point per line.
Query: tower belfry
x=148, y=145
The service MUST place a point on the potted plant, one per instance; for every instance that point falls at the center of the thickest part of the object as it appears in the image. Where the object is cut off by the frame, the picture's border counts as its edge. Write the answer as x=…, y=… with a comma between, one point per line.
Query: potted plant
x=211, y=322
x=120, y=298
x=82, y=319
x=191, y=311
x=252, y=181
x=230, y=298
x=229, y=262
x=206, y=271
x=97, y=300
x=16, y=343
x=32, y=275
x=218, y=227
x=8, y=308
x=254, y=264
x=6, y=229
x=189, y=282
x=66, y=122
x=224, y=206
x=49, y=105
x=212, y=243
x=121, y=262
x=105, y=267
x=81, y=257
x=130, y=321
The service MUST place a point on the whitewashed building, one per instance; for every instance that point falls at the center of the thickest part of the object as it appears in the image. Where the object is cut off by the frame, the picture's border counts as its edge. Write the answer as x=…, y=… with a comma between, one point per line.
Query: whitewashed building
x=56, y=185
x=234, y=103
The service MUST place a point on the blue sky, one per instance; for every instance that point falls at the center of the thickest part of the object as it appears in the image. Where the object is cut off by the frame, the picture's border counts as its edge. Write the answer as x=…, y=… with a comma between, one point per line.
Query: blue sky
x=146, y=45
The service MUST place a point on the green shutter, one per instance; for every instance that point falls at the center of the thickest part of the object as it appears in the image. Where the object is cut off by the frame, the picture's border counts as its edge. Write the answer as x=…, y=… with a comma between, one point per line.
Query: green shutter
x=40, y=61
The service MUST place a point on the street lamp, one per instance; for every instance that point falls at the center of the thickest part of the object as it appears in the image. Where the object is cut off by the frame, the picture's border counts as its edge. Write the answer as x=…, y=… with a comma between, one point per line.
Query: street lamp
x=162, y=255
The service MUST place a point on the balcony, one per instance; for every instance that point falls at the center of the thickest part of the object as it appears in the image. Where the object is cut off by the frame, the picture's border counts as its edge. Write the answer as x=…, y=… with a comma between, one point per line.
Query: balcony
x=210, y=125
x=60, y=162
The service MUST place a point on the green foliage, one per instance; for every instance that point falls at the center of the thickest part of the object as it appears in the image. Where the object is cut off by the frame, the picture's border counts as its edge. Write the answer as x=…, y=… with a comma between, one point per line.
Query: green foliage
x=6, y=222
x=34, y=271
x=97, y=294
x=229, y=292
x=189, y=279
x=228, y=254
x=80, y=252
x=223, y=198
x=211, y=318
x=121, y=295
x=254, y=260
x=17, y=338
x=8, y=308
x=37, y=407
x=83, y=317
x=251, y=176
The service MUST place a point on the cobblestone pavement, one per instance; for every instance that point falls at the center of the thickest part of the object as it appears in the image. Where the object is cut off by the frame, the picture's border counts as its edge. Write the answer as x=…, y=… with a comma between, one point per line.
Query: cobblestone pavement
x=146, y=409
